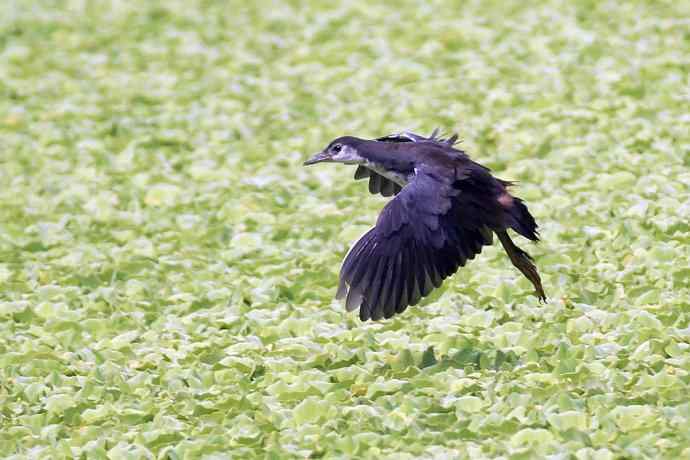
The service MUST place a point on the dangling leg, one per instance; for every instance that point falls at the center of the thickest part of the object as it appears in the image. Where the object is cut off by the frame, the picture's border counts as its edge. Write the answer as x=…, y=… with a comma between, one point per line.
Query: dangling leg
x=523, y=262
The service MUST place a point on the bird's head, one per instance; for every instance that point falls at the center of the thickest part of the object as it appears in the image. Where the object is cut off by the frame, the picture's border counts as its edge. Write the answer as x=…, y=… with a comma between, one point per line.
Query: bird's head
x=341, y=150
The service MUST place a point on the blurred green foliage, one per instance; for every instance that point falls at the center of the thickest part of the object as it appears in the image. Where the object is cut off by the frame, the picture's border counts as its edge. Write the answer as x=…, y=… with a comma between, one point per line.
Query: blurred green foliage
x=167, y=267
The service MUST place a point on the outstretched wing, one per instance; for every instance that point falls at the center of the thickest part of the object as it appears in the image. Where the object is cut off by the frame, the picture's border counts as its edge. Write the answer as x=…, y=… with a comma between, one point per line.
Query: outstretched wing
x=421, y=237
x=377, y=183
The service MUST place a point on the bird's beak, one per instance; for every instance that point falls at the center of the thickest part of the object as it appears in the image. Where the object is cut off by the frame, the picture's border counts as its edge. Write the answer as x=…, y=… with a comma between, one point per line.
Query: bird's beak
x=318, y=158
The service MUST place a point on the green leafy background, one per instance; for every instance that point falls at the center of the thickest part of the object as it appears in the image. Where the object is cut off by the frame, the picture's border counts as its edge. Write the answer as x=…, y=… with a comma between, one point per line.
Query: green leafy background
x=167, y=266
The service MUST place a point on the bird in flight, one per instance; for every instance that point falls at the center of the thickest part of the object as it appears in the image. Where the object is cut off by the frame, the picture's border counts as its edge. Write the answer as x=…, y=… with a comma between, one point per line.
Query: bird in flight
x=446, y=208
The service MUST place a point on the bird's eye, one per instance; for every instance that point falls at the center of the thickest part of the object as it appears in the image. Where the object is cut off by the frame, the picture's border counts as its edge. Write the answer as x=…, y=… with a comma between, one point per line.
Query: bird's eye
x=337, y=148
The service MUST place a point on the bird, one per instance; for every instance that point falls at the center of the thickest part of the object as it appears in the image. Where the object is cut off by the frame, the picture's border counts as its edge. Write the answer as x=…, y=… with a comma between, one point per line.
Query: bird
x=446, y=208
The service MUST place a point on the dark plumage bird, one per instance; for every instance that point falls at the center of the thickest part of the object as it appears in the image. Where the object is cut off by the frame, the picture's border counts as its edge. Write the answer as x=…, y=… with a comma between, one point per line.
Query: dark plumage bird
x=446, y=208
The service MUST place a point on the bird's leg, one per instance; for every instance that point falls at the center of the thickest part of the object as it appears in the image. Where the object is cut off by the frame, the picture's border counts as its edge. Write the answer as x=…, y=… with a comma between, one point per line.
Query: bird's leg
x=523, y=262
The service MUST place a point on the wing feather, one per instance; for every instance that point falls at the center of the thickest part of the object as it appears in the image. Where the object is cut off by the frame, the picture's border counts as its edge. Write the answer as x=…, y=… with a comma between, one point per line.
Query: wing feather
x=382, y=303
x=377, y=183
x=387, y=188
x=371, y=298
x=394, y=292
x=421, y=237
x=361, y=172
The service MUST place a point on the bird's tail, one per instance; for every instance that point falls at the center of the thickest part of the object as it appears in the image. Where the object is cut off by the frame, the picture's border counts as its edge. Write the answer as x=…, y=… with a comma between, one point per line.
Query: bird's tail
x=521, y=220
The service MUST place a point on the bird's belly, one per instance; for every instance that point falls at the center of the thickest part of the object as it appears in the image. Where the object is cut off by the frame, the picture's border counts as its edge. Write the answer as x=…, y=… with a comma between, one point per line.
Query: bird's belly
x=399, y=178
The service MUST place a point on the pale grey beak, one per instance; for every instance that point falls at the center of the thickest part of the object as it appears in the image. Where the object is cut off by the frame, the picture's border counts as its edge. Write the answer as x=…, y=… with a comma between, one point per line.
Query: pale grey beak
x=318, y=158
